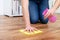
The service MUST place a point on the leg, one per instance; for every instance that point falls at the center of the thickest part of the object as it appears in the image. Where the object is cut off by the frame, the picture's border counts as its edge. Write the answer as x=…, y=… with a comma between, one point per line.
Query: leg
x=42, y=6
x=33, y=11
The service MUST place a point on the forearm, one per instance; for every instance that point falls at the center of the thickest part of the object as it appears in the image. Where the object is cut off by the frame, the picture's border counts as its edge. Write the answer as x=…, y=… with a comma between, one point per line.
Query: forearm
x=56, y=5
x=25, y=5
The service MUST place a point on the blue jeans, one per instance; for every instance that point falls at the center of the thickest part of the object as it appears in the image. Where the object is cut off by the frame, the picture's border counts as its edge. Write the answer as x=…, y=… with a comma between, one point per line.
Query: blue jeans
x=36, y=8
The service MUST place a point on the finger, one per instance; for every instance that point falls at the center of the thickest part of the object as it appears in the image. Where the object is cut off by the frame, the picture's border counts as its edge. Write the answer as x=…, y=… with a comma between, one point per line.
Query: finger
x=47, y=15
x=35, y=29
x=25, y=29
x=30, y=30
x=52, y=14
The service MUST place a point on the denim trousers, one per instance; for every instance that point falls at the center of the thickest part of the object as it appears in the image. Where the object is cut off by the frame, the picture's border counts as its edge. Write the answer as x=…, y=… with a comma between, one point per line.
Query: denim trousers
x=36, y=9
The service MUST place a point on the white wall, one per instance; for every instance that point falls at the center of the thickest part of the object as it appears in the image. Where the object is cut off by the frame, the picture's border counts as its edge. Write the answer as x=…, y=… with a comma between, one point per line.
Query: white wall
x=7, y=6
x=1, y=7
x=58, y=10
x=51, y=3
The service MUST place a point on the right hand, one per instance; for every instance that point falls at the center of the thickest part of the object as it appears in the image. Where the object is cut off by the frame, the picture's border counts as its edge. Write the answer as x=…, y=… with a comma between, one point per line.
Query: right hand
x=49, y=13
x=30, y=29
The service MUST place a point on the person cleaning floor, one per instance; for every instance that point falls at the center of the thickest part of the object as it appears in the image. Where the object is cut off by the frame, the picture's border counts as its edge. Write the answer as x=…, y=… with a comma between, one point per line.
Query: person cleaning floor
x=33, y=10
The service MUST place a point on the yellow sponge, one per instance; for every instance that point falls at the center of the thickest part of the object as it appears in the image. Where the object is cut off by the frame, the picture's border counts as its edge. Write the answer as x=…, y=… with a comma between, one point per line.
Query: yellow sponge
x=30, y=33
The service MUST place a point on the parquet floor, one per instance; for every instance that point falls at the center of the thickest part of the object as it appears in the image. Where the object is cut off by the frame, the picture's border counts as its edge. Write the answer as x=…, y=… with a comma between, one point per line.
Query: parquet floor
x=9, y=27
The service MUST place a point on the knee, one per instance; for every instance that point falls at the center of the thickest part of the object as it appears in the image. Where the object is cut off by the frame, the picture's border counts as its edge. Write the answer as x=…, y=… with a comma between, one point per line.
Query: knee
x=44, y=21
x=34, y=20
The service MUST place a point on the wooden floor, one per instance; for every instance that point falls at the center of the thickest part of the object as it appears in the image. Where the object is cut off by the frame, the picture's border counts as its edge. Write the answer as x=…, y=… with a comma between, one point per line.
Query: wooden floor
x=9, y=27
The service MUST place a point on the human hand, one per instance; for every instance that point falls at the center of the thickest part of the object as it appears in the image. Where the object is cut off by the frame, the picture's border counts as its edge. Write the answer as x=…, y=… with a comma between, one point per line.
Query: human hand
x=30, y=29
x=49, y=13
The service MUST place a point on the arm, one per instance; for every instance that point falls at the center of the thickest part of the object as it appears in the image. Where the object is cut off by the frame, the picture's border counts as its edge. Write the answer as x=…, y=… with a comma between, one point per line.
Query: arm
x=53, y=9
x=25, y=4
x=56, y=5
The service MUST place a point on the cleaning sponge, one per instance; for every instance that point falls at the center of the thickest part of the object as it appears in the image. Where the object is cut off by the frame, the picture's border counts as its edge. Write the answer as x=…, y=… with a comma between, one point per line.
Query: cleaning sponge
x=30, y=33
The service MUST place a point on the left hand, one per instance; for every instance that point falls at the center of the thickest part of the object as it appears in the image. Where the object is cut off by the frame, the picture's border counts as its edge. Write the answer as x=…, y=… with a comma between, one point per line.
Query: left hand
x=49, y=13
